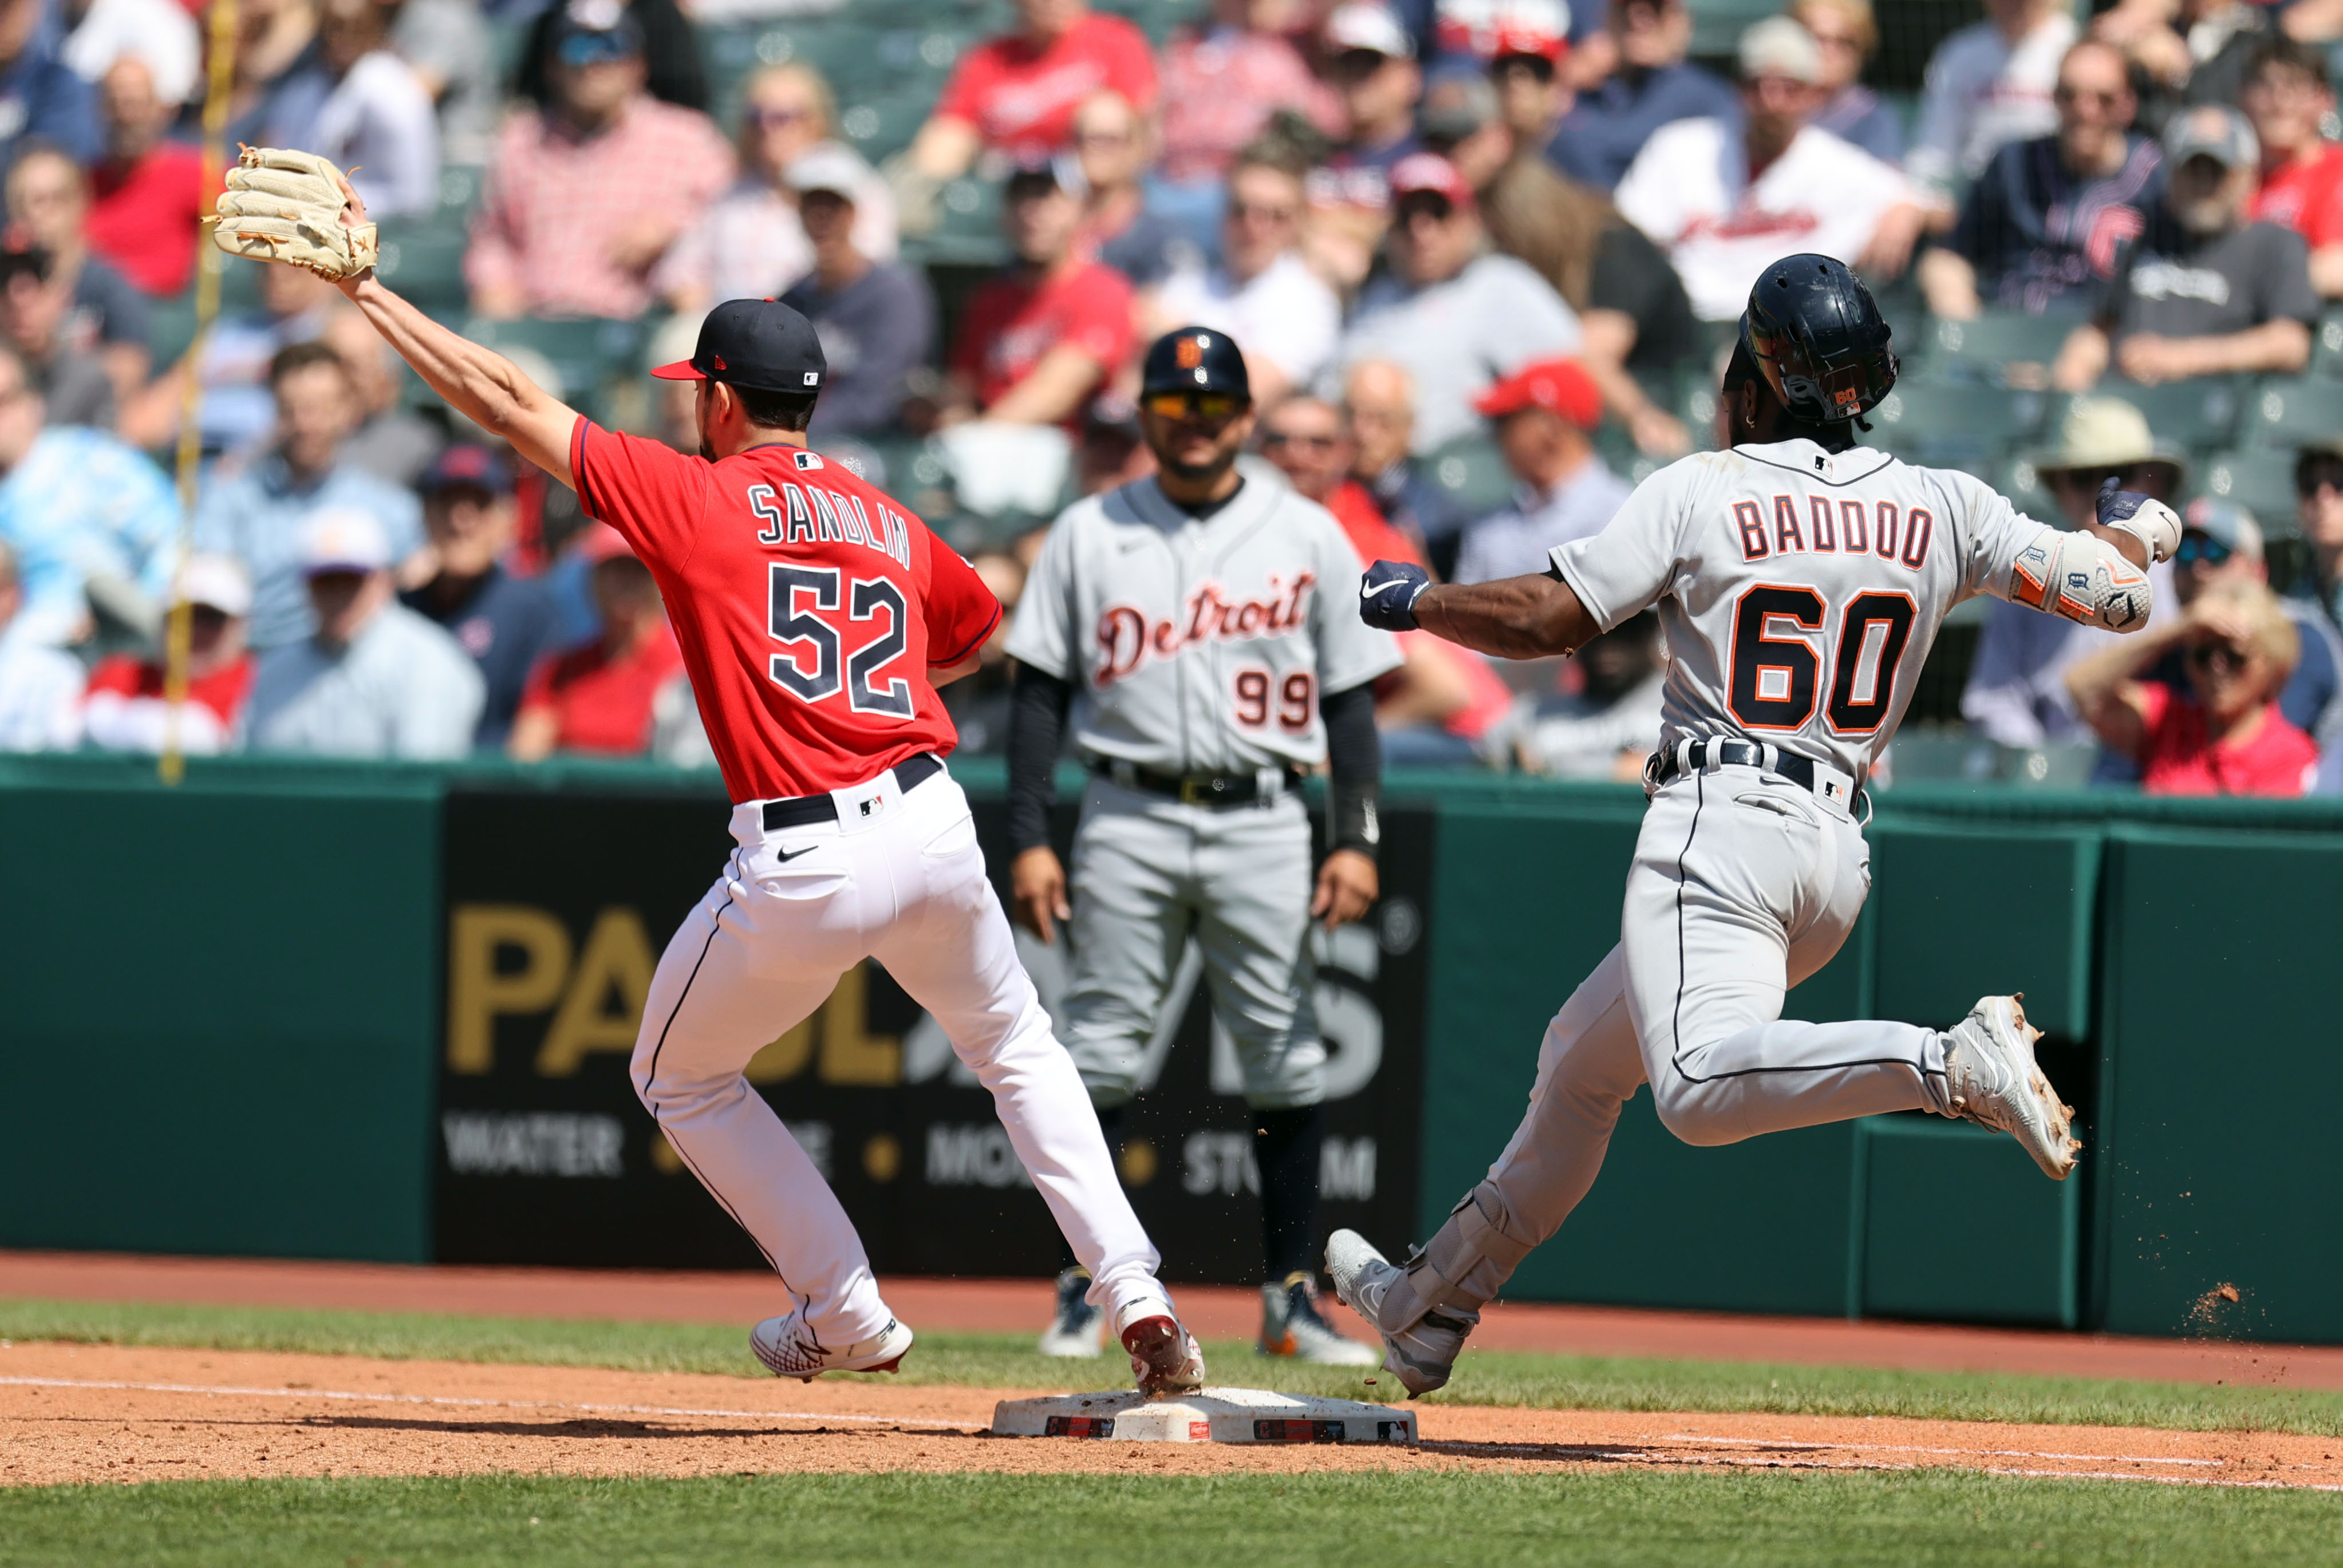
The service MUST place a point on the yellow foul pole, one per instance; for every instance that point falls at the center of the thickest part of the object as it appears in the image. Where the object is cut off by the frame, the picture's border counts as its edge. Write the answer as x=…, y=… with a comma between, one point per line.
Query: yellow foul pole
x=218, y=88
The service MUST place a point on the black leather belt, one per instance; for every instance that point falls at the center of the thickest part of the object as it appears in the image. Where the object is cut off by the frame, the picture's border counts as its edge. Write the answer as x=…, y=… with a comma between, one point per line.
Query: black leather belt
x=804, y=811
x=1798, y=771
x=1190, y=789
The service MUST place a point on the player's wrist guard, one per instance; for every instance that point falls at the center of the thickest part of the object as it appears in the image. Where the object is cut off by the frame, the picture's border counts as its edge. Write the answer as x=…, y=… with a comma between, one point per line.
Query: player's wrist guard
x=2143, y=517
x=1387, y=594
x=1354, y=816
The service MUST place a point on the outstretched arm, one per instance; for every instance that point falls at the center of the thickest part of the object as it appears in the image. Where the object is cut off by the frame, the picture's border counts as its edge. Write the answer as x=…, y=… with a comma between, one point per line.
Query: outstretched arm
x=482, y=385
x=1508, y=617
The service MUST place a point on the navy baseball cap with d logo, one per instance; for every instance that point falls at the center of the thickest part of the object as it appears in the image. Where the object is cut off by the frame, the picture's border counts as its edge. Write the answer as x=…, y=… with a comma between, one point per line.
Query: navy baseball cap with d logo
x=756, y=343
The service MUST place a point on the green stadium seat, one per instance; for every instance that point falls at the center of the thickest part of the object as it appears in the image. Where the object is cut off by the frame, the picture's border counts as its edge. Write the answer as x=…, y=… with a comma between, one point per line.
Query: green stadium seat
x=2286, y=414
x=2201, y=413
x=589, y=355
x=2326, y=349
x=2025, y=490
x=2261, y=481
x=1472, y=472
x=881, y=127
x=1717, y=25
x=170, y=328
x=1955, y=424
x=425, y=261
x=1978, y=351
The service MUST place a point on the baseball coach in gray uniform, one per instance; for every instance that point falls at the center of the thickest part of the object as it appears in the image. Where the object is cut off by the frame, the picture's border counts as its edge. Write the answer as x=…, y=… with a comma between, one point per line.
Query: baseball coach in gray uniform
x=1197, y=628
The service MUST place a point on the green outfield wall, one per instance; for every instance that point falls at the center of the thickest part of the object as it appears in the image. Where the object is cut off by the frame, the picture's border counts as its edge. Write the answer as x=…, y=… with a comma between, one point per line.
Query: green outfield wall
x=228, y=1031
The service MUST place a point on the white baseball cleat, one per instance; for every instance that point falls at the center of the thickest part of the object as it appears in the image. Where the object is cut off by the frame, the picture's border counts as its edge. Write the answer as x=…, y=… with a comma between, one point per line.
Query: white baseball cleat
x=1992, y=1080
x=788, y=1348
x=1421, y=1354
x=1075, y=1333
x=1165, y=1357
x=1293, y=1326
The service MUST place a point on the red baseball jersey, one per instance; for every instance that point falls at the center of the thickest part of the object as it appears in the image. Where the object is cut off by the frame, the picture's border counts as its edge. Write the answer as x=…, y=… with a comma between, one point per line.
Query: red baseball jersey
x=810, y=606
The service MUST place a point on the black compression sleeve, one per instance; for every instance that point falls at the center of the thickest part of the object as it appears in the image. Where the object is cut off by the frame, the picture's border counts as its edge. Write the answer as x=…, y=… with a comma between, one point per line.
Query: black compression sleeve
x=1037, y=725
x=1354, y=767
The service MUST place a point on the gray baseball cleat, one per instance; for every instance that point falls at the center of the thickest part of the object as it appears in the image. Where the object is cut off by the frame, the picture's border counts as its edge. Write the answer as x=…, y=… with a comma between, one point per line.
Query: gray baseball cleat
x=1293, y=1326
x=1421, y=1354
x=1076, y=1329
x=1991, y=1079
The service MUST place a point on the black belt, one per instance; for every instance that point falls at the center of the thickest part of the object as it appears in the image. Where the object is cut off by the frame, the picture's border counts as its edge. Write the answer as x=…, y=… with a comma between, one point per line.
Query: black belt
x=804, y=811
x=1798, y=771
x=1190, y=789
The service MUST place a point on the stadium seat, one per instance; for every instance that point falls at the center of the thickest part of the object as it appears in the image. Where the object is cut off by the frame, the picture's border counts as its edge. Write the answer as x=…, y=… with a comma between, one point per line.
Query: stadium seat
x=2288, y=414
x=2201, y=413
x=170, y=328
x=1978, y=351
x=425, y=261
x=586, y=354
x=2260, y=481
x=1473, y=473
x=2326, y=349
x=1955, y=424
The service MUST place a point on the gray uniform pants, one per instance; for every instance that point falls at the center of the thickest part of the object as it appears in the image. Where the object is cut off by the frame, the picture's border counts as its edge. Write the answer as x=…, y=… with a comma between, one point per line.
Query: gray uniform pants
x=1151, y=875
x=1743, y=886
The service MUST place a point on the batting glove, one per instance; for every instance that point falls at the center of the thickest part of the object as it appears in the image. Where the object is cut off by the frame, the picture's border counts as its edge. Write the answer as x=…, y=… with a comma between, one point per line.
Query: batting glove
x=2145, y=518
x=1388, y=592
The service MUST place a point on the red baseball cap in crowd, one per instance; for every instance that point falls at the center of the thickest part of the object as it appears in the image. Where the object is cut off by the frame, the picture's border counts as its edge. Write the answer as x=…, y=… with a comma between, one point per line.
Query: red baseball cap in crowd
x=1498, y=29
x=600, y=542
x=1419, y=173
x=1562, y=385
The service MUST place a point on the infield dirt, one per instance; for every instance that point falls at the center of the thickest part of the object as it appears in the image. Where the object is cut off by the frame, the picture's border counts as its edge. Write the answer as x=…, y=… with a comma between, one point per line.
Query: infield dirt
x=110, y=1413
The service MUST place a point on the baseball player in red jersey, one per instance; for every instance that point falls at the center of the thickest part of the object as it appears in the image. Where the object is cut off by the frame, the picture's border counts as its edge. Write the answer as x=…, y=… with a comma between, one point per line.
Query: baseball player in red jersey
x=817, y=618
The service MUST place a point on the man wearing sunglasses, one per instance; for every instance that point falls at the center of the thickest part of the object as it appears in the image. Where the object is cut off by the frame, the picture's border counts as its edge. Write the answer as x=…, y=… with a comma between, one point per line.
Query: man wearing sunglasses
x=1196, y=626
x=2040, y=227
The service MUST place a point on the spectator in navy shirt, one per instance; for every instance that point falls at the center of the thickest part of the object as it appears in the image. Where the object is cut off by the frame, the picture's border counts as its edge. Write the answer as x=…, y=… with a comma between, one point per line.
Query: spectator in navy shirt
x=876, y=320
x=1653, y=87
x=1373, y=63
x=41, y=97
x=2041, y=230
x=505, y=622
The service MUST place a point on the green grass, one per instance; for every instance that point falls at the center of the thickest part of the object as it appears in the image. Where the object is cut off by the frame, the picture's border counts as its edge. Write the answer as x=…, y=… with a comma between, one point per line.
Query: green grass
x=1002, y=1360
x=1344, y=1519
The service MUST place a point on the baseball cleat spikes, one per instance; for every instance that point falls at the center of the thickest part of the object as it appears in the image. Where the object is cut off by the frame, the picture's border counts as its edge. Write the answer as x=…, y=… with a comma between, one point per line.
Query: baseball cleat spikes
x=788, y=1347
x=1992, y=1079
x=1165, y=1359
x=1422, y=1354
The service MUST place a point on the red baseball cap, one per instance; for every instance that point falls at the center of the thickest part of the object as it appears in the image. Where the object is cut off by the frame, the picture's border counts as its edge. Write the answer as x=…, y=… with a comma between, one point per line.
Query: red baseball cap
x=600, y=542
x=1420, y=172
x=1562, y=385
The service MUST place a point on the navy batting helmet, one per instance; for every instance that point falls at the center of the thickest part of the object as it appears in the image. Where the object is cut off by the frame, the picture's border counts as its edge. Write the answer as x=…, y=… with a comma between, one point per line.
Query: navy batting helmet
x=1817, y=336
x=1195, y=359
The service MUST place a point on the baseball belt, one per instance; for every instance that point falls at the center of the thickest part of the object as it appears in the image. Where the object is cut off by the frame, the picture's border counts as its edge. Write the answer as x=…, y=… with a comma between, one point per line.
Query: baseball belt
x=1200, y=788
x=1818, y=778
x=804, y=810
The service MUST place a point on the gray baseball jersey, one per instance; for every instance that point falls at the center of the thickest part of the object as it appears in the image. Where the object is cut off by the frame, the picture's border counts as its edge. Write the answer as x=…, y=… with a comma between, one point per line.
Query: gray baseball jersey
x=1199, y=646
x=1800, y=590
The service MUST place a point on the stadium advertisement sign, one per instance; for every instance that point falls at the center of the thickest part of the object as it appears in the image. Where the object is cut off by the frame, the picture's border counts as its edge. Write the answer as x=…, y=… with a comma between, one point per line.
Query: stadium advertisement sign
x=558, y=906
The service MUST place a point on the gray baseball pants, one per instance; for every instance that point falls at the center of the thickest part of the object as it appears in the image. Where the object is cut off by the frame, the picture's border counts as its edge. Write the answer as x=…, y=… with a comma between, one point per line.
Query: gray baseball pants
x=1148, y=876
x=1742, y=885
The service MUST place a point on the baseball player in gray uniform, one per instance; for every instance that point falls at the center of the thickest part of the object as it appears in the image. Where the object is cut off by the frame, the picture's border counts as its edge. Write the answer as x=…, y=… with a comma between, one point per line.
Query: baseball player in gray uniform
x=1196, y=626
x=1800, y=580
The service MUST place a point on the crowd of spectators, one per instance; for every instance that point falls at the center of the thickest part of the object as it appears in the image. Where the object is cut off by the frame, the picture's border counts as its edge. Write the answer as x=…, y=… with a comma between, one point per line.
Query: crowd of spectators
x=1476, y=254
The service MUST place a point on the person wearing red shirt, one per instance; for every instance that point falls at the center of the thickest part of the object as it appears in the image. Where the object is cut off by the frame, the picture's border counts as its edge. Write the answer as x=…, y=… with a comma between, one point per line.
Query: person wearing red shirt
x=146, y=194
x=125, y=707
x=1019, y=92
x=2286, y=97
x=1038, y=340
x=1441, y=706
x=2225, y=735
x=597, y=697
x=816, y=617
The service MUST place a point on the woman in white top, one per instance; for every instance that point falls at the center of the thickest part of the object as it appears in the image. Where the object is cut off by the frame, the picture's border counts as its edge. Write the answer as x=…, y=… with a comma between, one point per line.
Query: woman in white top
x=750, y=245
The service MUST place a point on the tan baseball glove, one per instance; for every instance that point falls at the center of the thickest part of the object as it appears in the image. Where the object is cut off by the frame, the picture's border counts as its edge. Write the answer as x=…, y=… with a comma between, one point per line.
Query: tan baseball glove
x=286, y=205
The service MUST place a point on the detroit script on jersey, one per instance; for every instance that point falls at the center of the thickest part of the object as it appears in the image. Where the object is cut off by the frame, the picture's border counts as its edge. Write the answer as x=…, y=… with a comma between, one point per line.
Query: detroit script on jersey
x=1199, y=644
x=810, y=606
x=1800, y=590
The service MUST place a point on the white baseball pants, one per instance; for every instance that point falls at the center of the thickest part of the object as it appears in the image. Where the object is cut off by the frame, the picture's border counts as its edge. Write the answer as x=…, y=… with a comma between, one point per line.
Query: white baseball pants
x=904, y=884
x=1743, y=884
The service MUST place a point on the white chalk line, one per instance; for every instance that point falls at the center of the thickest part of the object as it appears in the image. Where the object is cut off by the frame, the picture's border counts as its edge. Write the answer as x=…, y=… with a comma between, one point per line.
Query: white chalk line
x=352, y=1394
x=1803, y=1443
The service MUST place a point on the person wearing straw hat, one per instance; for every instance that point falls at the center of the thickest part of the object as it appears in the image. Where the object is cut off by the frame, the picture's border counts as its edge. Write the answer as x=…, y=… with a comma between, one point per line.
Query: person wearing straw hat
x=2017, y=691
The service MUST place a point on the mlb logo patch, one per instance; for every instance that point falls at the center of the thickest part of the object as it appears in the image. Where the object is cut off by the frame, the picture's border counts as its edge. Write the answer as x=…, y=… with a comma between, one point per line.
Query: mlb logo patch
x=813, y=377
x=808, y=459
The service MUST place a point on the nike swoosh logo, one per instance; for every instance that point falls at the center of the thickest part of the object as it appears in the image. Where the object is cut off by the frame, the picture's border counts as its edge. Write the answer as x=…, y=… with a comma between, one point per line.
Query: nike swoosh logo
x=784, y=858
x=1369, y=590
